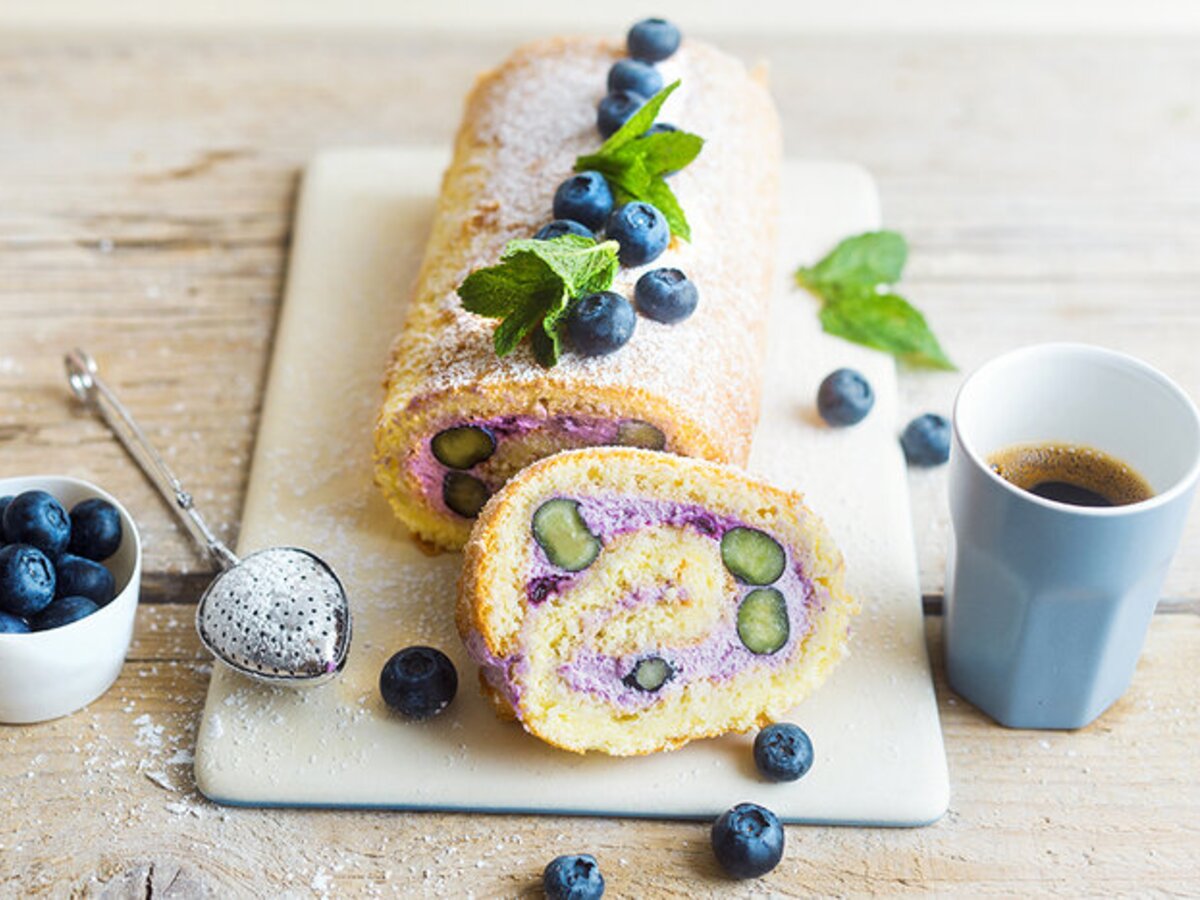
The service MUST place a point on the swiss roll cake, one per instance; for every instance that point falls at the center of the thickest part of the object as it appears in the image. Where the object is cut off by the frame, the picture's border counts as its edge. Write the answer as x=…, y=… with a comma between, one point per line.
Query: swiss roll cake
x=625, y=601
x=458, y=420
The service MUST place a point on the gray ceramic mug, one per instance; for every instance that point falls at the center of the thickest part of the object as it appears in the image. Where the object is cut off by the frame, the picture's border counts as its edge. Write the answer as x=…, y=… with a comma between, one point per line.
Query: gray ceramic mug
x=1047, y=604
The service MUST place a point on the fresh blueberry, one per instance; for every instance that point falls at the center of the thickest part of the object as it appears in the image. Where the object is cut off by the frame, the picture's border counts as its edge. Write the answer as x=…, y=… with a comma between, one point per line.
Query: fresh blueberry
x=652, y=40
x=783, y=752
x=642, y=232
x=635, y=75
x=575, y=877
x=666, y=295
x=661, y=128
x=559, y=227
x=584, y=198
x=95, y=529
x=26, y=580
x=747, y=841
x=4, y=501
x=926, y=440
x=79, y=577
x=418, y=682
x=61, y=612
x=615, y=109
x=36, y=518
x=600, y=323
x=10, y=624
x=844, y=398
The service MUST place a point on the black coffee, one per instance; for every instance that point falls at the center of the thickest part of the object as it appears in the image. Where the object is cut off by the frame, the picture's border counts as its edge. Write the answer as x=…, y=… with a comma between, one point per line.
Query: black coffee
x=1070, y=473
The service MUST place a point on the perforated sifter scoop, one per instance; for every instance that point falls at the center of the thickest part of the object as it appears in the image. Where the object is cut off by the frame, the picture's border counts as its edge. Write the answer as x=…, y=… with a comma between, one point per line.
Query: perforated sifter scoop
x=278, y=615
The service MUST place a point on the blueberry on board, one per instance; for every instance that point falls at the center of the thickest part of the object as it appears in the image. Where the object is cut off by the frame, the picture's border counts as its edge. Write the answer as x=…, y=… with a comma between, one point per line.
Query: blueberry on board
x=36, y=518
x=584, y=198
x=641, y=230
x=4, y=501
x=635, y=75
x=926, y=440
x=574, y=877
x=844, y=398
x=615, y=109
x=95, y=529
x=783, y=752
x=79, y=577
x=10, y=624
x=418, y=682
x=652, y=40
x=559, y=227
x=600, y=323
x=61, y=612
x=666, y=295
x=747, y=841
x=26, y=580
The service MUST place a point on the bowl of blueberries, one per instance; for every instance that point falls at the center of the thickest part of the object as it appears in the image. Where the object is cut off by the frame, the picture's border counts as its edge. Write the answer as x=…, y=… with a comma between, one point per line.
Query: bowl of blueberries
x=70, y=569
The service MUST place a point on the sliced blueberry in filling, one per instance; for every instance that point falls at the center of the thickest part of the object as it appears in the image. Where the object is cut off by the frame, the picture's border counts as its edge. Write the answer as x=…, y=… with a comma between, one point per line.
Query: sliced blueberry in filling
x=463, y=446
x=561, y=532
x=636, y=433
x=464, y=494
x=762, y=621
x=650, y=674
x=753, y=556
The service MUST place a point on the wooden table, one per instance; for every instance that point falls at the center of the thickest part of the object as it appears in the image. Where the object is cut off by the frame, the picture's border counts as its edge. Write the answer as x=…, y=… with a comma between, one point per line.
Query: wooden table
x=1050, y=188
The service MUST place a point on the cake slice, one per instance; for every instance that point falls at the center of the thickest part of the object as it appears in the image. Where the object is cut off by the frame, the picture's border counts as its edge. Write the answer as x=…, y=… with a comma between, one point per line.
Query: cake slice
x=627, y=601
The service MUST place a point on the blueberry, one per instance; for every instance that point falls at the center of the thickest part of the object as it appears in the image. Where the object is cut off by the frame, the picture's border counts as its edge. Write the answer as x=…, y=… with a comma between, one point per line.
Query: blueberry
x=95, y=529
x=652, y=40
x=615, y=109
x=747, y=841
x=661, y=128
x=559, y=227
x=10, y=624
x=418, y=682
x=4, y=501
x=666, y=295
x=635, y=75
x=600, y=323
x=783, y=752
x=36, y=518
x=642, y=232
x=926, y=440
x=575, y=877
x=61, y=612
x=584, y=198
x=79, y=577
x=26, y=580
x=844, y=398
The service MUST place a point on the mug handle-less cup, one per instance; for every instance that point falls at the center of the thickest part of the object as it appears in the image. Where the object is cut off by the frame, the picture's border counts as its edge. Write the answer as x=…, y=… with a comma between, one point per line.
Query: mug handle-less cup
x=1047, y=604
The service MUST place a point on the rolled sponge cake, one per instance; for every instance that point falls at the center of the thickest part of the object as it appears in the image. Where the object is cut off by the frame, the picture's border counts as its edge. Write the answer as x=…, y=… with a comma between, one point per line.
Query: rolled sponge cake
x=691, y=388
x=626, y=601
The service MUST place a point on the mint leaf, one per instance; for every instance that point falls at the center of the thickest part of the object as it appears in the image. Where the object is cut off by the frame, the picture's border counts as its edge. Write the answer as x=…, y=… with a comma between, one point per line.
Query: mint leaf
x=661, y=195
x=664, y=152
x=886, y=322
x=866, y=260
x=579, y=261
x=639, y=123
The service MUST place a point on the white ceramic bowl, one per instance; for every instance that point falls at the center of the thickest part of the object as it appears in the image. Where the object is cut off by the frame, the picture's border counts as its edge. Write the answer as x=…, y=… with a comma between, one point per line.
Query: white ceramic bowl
x=47, y=674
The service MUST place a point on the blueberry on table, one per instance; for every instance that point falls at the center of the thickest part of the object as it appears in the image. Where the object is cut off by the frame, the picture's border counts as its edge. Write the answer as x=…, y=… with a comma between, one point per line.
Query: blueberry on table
x=10, y=624
x=574, y=877
x=600, y=323
x=418, y=682
x=615, y=109
x=635, y=75
x=26, y=580
x=666, y=295
x=79, y=577
x=641, y=230
x=652, y=40
x=36, y=518
x=584, y=198
x=783, y=752
x=747, y=841
x=63, y=612
x=559, y=227
x=926, y=440
x=844, y=398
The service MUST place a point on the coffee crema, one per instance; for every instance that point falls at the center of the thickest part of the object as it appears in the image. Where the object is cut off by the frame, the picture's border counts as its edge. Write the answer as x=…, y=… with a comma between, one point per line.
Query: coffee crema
x=1070, y=473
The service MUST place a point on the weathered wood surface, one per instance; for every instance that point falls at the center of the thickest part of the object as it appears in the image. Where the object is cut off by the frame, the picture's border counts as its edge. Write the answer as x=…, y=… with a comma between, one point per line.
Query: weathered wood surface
x=1050, y=189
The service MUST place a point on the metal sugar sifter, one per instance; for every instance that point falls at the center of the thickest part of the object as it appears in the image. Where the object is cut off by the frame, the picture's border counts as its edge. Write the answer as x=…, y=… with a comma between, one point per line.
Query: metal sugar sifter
x=278, y=615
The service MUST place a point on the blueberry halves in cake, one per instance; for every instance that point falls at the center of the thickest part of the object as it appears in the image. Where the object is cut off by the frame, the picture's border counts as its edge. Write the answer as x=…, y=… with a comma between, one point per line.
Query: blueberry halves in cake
x=626, y=601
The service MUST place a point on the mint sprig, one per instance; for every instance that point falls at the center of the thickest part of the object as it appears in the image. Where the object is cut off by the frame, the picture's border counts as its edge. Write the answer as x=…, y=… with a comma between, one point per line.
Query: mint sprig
x=530, y=288
x=636, y=163
x=854, y=282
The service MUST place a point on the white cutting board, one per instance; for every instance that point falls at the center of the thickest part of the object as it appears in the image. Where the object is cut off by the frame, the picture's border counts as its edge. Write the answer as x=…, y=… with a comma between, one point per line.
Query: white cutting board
x=361, y=227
